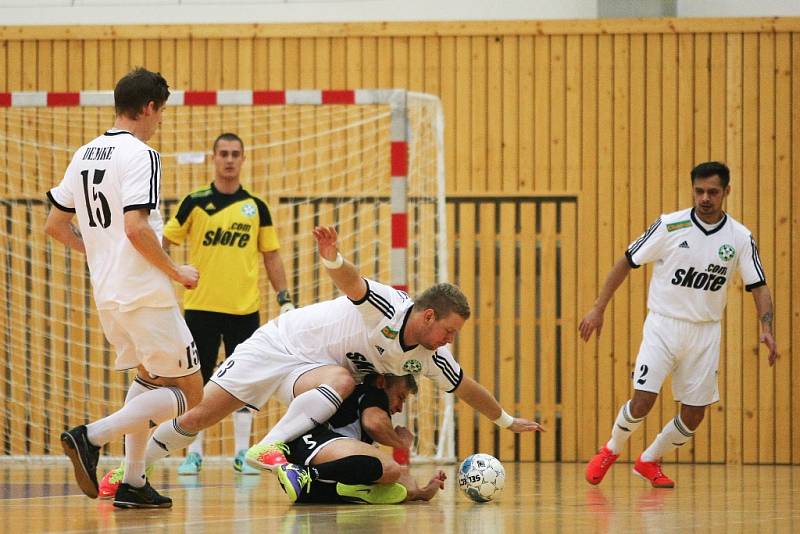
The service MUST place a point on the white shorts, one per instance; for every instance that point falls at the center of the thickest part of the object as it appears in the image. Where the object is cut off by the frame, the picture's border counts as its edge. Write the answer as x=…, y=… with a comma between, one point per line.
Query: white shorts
x=262, y=367
x=156, y=338
x=690, y=351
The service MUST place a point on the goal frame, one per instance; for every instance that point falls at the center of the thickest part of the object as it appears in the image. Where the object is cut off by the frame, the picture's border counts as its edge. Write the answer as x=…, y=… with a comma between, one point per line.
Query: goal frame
x=400, y=132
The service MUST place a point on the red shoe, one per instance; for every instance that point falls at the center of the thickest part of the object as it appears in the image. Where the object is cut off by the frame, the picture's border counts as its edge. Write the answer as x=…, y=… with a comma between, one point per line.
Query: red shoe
x=651, y=471
x=107, y=488
x=267, y=457
x=599, y=466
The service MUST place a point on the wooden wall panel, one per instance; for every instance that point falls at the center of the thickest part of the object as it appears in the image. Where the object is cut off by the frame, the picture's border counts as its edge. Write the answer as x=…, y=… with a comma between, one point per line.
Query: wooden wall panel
x=612, y=113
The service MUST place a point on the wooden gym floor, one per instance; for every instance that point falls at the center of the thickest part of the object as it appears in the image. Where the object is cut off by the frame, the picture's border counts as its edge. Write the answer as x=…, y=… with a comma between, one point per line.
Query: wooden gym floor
x=40, y=496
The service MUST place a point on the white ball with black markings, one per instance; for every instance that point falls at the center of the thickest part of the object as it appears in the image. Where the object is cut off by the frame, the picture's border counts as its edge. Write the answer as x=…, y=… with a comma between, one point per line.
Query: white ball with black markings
x=481, y=477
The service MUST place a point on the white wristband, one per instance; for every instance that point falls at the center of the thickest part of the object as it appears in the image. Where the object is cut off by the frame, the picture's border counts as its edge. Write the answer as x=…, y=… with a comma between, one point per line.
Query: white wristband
x=504, y=421
x=335, y=264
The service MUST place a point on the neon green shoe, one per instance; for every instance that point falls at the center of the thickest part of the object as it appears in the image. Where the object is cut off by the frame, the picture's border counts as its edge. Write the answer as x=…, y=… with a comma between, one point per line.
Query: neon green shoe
x=295, y=480
x=267, y=456
x=373, y=493
x=191, y=464
x=107, y=488
x=240, y=464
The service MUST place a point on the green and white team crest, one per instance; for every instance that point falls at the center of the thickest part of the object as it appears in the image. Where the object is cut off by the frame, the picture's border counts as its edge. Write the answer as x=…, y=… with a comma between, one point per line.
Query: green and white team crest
x=726, y=252
x=412, y=366
x=248, y=210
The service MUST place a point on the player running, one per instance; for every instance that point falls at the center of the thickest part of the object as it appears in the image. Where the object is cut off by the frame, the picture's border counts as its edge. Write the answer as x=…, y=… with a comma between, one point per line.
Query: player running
x=696, y=251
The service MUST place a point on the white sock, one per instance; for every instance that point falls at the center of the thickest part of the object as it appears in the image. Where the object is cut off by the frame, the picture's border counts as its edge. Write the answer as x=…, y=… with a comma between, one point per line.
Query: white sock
x=305, y=412
x=673, y=435
x=135, y=443
x=154, y=406
x=242, y=425
x=169, y=437
x=624, y=426
x=197, y=444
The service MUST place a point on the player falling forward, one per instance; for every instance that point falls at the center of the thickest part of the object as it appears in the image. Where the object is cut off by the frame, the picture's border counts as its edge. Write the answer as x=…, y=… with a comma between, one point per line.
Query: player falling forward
x=384, y=332
x=112, y=185
x=310, y=358
x=695, y=251
x=336, y=463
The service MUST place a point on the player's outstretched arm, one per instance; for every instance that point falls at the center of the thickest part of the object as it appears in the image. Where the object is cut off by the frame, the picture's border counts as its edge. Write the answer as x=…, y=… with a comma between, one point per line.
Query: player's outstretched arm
x=343, y=273
x=594, y=319
x=59, y=226
x=763, y=300
x=479, y=398
x=145, y=240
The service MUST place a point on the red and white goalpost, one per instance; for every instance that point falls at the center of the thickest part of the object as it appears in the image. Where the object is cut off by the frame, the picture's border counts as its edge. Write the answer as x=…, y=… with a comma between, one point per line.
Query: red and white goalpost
x=369, y=161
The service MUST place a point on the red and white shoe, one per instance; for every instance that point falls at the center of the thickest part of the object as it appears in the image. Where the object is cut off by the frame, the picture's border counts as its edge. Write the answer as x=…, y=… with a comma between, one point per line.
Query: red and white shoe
x=107, y=488
x=651, y=472
x=599, y=465
x=267, y=457
x=110, y=482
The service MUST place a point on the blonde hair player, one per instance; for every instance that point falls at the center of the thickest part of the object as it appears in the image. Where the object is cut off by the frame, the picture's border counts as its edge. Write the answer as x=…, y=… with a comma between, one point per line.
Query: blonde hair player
x=696, y=251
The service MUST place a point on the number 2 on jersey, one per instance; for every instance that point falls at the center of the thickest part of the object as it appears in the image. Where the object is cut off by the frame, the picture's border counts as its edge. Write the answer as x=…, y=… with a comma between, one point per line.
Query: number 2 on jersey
x=103, y=212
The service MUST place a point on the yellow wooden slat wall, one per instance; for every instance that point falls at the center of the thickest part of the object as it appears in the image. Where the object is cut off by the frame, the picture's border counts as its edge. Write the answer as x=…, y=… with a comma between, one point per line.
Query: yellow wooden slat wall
x=615, y=112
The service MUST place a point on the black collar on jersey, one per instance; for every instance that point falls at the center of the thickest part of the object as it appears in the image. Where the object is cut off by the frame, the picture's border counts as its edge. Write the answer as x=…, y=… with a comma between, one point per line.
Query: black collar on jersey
x=223, y=200
x=403, y=346
x=118, y=132
x=703, y=228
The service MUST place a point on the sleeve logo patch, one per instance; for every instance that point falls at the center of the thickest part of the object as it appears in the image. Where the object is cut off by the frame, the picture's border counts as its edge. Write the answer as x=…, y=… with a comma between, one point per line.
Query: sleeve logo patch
x=671, y=227
x=389, y=333
x=412, y=366
x=726, y=252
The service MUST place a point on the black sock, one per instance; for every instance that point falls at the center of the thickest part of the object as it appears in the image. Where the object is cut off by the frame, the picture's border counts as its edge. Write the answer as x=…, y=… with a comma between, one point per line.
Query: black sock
x=357, y=469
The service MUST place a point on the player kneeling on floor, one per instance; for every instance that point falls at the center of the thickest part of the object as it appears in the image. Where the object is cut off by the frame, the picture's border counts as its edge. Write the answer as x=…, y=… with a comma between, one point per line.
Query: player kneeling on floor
x=337, y=463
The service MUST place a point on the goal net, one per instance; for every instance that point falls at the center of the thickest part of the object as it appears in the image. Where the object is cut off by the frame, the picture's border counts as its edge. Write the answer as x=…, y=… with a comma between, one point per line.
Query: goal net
x=369, y=162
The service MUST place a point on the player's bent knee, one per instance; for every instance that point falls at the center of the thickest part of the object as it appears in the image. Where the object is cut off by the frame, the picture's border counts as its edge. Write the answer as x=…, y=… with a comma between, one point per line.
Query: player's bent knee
x=343, y=382
x=391, y=472
x=192, y=387
x=692, y=416
x=641, y=403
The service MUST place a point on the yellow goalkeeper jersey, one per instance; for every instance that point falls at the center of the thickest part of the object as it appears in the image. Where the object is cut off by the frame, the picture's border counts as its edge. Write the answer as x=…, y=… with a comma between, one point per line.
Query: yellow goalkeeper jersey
x=226, y=236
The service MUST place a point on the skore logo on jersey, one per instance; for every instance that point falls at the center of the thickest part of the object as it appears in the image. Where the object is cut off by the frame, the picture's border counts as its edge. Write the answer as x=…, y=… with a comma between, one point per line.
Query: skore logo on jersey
x=711, y=280
x=237, y=235
x=726, y=252
x=412, y=366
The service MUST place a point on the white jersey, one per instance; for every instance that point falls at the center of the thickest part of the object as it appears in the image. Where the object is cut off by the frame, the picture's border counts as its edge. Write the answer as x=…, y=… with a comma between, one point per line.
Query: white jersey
x=693, y=265
x=115, y=173
x=365, y=336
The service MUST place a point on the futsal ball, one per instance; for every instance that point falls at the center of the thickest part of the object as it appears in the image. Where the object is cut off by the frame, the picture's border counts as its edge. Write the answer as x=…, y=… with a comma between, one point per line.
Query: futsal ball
x=481, y=477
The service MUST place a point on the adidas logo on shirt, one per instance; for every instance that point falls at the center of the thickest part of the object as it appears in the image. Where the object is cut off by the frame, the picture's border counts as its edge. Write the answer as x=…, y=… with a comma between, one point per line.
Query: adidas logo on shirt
x=683, y=244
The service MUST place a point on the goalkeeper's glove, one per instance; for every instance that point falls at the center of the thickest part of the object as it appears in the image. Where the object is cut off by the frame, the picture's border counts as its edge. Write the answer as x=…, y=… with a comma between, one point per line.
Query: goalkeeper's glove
x=285, y=301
